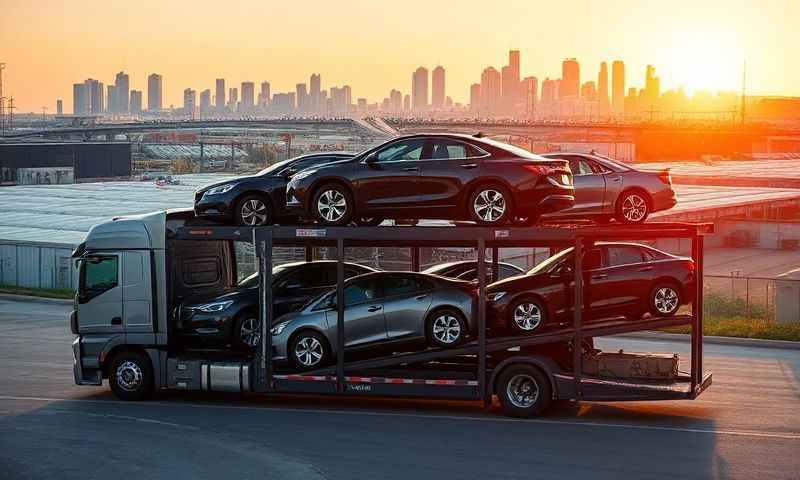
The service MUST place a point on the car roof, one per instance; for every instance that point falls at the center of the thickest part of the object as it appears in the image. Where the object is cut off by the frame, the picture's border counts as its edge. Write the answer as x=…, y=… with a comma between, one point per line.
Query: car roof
x=322, y=262
x=608, y=162
x=444, y=266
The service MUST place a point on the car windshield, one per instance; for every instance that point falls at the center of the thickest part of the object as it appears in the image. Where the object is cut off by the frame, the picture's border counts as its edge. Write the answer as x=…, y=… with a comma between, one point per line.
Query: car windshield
x=276, y=167
x=545, y=266
x=520, y=152
x=252, y=280
x=612, y=162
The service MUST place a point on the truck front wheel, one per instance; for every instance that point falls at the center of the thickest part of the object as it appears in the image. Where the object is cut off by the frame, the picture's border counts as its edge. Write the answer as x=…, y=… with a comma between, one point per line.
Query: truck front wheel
x=523, y=390
x=131, y=376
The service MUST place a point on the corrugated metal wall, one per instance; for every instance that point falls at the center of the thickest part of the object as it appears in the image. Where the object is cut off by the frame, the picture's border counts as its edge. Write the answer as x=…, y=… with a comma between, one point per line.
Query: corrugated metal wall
x=37, y=266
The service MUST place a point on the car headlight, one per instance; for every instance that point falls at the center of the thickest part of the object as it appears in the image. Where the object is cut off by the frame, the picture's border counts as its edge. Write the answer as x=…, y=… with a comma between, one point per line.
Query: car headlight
x=221, y=189
x=277, y=329
x=303, y=174
x=214, y=306
x=495, y=296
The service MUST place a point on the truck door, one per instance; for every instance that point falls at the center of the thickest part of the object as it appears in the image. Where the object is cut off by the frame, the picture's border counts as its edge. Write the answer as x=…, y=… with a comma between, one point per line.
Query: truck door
x=100, y=293
x=137, y=311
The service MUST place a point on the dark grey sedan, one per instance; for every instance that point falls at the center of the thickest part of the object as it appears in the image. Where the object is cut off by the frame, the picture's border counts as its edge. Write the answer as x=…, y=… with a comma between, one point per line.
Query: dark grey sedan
x=606, y=188
x=381, y=309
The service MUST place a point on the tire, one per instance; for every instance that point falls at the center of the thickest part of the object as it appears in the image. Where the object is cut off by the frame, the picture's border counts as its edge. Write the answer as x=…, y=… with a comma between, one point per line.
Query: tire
x=368, y=221
x=523, y=390
x=339, y=203
x=131, y=376
x=318, y=352
x=247, y=331
x=633, y=207
x=527, y=315
x=445, y=328
x=254, y=210
x=665, y=299
x=486, y=196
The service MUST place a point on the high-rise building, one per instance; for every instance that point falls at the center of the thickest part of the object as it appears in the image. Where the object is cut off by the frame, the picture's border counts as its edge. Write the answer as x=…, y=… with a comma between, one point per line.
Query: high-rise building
x=530, y=94
x=602, y=89
x=111, y=102
x=314, y=85
x=264, y=95
x=205, y=102
x=589, y=91
x=122, y=84
x=549, y=91
x=438, y=87
x=510, y=89
x=395, y=101
x=155, y=92
x=59, y=107
x=283, y=103
x=570, y=78
x=618, y=87
x=233, y=99
x=136, y=102
x=419, y=89
x=219, y=95
x=189, y=101
x=652, y=86
x=407, y=102
x=475, y=97
x=491, y=90
x=248, y=97
x=302, y=97
x=94, y=95
x=80, y=100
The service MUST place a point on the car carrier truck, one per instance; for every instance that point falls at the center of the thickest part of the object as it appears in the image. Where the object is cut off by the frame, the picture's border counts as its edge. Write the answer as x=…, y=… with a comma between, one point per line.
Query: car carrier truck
x=135, y=271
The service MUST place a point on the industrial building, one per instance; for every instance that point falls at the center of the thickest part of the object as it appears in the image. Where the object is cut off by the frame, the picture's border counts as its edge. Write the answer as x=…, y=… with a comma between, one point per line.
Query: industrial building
x=63, y=163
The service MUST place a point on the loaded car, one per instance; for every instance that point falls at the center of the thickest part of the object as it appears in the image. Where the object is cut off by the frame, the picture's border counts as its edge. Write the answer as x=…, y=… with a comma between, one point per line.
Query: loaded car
x=256, y=199
x=232, y=318
x=382, y=309
x=622, y=279
x=607, y=188
x=468, y=270
x=434, y=176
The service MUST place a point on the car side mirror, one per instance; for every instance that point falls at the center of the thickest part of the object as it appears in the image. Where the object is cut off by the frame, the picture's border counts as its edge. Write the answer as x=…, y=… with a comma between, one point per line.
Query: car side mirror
x=371, y=159
x=565, y=271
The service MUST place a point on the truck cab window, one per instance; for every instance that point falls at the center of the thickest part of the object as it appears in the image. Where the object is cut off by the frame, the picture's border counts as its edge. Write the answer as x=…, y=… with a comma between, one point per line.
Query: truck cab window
x=98, y=275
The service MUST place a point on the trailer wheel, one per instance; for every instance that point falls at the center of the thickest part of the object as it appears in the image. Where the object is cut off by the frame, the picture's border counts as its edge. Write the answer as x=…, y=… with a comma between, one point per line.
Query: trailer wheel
x=523, y=390
x=131, y=376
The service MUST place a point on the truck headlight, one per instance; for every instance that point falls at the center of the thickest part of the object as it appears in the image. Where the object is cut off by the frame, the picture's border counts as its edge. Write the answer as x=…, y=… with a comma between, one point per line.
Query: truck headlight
x=277, y=329
x=214, y=306
x=220, y=190
x=495, y=296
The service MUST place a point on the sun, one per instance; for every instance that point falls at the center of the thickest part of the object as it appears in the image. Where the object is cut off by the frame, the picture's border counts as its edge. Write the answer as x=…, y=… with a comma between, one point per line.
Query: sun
x=704, y=57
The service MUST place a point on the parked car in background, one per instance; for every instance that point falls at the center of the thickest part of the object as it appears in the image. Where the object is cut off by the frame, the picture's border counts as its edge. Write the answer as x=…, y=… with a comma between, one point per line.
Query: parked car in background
x=468, y=270
x=434, y=176
x=256, y=199
x=606, y=189
x=232, y=318
x=621, y=279
x=381, y=309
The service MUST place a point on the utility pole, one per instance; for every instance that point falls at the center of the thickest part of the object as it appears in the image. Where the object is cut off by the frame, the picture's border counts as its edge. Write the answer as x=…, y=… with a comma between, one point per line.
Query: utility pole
x=44, y=113
x=2, y=102
x=11, y=113
x=744, y=89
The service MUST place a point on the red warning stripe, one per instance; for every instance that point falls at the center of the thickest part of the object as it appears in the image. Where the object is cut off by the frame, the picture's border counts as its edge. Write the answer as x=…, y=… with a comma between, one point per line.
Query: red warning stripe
x=394, y=381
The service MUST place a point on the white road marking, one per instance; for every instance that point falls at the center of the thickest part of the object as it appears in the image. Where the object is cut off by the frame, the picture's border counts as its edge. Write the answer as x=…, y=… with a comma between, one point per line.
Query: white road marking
x=318, y=411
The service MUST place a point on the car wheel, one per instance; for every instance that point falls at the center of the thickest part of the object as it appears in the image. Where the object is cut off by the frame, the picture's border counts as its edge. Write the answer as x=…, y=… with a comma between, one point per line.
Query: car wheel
x=665, y=299
x=247, y=331
x=253, y=210
x=446, y=328
x=308, y=350
x=368, y=221
x=523, y=390
x=633, y=207
x=527, y=315
x=490, y=205
x=131, y=376
x=333, y=205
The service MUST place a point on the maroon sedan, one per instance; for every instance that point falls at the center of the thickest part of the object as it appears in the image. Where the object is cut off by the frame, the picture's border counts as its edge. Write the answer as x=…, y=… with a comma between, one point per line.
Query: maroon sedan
x=621, y=279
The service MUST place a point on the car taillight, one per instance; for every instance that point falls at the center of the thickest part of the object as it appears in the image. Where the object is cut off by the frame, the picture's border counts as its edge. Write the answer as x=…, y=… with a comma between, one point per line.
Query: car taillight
x=542, y=170
x=665, y=176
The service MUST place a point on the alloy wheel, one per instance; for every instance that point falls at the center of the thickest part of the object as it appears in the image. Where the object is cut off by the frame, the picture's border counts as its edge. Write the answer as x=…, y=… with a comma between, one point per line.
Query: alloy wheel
x=308, y=351
x=254, y=212
x=332, y=205
x=527, y=316
x=489, y=205
x=250, y=332
x=634, y=207
x=666, y=300
x=523, y=390
x=446, y=329
x=129, y=376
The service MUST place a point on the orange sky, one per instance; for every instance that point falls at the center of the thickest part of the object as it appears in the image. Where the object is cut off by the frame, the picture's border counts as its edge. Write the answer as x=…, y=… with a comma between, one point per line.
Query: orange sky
x=374, y=46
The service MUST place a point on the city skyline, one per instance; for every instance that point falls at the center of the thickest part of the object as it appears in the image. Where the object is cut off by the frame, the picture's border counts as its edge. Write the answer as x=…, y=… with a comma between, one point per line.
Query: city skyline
x=704, y=49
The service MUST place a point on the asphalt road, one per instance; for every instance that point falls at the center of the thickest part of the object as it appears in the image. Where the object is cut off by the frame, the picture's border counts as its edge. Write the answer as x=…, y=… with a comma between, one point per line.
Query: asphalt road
x=745, y=426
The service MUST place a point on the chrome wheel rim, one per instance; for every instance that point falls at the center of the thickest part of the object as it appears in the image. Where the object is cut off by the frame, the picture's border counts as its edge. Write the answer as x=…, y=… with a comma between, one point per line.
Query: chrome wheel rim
x=523, y=391
x=527, y=316
x=254, y=212
x=332, y=205
x=308, y=351
x=250, y=332
x=129, y=376
x=489, y=205
x=634, y=207
x=446, y=329
x=666, y=300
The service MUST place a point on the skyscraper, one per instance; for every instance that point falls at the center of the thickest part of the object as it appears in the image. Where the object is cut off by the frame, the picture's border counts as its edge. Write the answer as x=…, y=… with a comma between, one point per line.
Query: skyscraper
x=189, y=101
x=155, y=99
x=652, y=85
x=205, y=101
x=395, y=101
x=618, y=87
x=570, y=78
x=491, y=88
x=219, y=95
x=122, y=84
x=79, y=99
x=111, y=96
x=233, y=99
x=314, y=84
x=602, y=89
x=59, y=107
x=136, y=102
x=510, y=89
x=419, y=89
x=475, y=97
x=438, y=87
x=248, y=97
x=407, y=102
x=94, y=96
x=302, y=97
x=530, y=94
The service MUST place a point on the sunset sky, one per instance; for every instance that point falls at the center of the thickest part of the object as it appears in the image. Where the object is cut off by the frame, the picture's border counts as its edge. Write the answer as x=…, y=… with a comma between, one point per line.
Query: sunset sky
x=374, y=46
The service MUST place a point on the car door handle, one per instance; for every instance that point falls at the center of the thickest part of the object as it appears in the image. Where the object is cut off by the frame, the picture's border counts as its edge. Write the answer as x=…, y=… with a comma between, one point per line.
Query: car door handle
x=116, y=321
x=422, y=297
x=374, y=308
x=410, y=169
x=616, y=179
x=469, y=165
x=646, y=269
x=599, y=276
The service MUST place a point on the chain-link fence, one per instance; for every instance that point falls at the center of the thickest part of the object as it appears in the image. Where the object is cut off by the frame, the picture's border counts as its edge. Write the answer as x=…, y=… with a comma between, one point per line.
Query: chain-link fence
x=749, y=297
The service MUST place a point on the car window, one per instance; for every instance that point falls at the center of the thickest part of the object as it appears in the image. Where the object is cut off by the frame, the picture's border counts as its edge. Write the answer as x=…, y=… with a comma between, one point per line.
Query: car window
x=445, y=149
x=580, y=166
x=100, y=274
x=623, y=256
x=306, y=163
x=506, y=271
x=398, y=285
x=424, y=285
x=401, y=150
x=593, y=259
x=306, y=277
x=360, y=292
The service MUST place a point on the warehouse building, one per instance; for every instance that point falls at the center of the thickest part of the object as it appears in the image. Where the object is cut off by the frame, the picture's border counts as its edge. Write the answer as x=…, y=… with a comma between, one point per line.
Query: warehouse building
x=63, y=163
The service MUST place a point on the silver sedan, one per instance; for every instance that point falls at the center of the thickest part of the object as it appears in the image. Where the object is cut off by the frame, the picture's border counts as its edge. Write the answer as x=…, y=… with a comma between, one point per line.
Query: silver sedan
x=381, y=309
x=606, y=188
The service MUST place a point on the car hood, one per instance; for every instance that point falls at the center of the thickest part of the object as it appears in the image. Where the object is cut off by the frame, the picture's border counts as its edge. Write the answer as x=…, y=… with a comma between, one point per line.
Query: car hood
x=248, y=294
x=514, y=283
x=238, y=180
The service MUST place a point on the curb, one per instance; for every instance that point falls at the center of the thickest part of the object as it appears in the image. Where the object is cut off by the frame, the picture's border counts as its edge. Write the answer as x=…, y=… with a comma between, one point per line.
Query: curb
x=714, y=340
x=31, y=298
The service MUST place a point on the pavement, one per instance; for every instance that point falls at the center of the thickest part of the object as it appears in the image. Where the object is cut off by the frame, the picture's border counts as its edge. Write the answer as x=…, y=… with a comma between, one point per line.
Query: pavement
x=745, y=426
